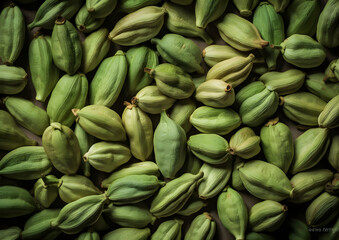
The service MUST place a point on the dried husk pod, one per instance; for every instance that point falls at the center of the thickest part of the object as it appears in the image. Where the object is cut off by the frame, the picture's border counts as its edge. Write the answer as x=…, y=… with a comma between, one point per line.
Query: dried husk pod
x=12, y=79
x=332, y=72
x=128, y=6
x=101, y=9
x=214, y=54
x=168, y=230
x=333, y=153
x=244, y=143
x=245, y=7
x=324, y=90
x=202, y=227
x=207, y=11
x=46, y=190
x=181, y=112
x=85, y=21
x=279, y=5
x=329, y=117
x=128, y=233
x=236, y=182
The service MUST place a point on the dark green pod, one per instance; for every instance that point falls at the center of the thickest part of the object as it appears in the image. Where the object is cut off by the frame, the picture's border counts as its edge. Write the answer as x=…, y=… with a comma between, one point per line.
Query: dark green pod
x=99, y=8
x=12, y=79
x=202, y=227
x=207, y=11
x=128, y=6
x=11, y=233
x=85, y=22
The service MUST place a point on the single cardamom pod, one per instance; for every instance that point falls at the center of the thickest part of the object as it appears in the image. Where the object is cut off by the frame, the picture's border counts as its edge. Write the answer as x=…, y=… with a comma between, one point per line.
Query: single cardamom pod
x=128, y=233
x=324, y=90
x=85, y=21
x=168, y=230
x=333, y=153
x=181, y=112
x=245, y=7
x=100, y=9
x=244, y=143
x=207, y=11
x=202, y=227
x=214, y=54
x=329, y=117
x=12, y=79
x=248, y=91
x=11, y=233
x=46, y=190
x=128, y=6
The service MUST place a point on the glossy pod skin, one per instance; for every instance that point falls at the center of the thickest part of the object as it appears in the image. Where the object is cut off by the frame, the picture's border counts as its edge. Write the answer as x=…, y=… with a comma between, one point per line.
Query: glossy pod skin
x=279, y=5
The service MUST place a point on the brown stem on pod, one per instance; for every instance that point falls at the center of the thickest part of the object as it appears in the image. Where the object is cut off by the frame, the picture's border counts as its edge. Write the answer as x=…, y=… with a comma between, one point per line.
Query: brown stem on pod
x=134, y=101
x=228, y=88
x=82, y=28
x=129, y=105
x=231, y=151
x=285, y=208
x=60, y=20
x=281, y=101
x=272, y=122
x=208, y=216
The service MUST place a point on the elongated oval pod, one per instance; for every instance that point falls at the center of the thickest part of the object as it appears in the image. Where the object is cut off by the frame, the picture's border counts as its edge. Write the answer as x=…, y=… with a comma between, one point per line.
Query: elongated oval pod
x=128, y=233
x=107, y=156
x=13, y=32
x=139, y=130
x=307, y=185
x=151, y=100
x=181, y=20
x=207, y=11
x=170, y=199
x=236, y=182
x=244, y=143
x=51, y=9
x=324, y=90
x=309, y=148
x=79, y=214
x=168, y=230
x=181, y=112
x=329, y=117
x=128, y=6
x=192, y=206
x=172, y=81
x=38, y=226
x=333, y=153
x=279, y=5
x=100, y=9
x=232, y=212
x=105, y=86
x=245, y=7
x=85, y=22
x=100, y=122
x=11, y=136
x=202, y=227
x=298, y=229
x=303, y=107
x=25, y=163
x=46, y=190
x=11, y=233
x=233, y=71
x=265, y=181
x=12, y=79
x=214, y=54
x=89, y=236
x=248, y=91
x=43, y=71
x=215, y=120
x=70, y=92
x=277, y=144
x=15, y=202
x=332, y=71
x=139, y=26
x=62, y=148
x=27, y=114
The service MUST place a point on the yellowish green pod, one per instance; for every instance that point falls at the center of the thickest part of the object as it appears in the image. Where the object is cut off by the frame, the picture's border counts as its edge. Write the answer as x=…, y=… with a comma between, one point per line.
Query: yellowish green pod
x=168, y=230
x=333, y=153
x=11, y=233
x=46, y=190
x=85, y=22
x=244, y=143
x=12, y=79
x=100, y=9
x=214, y=54
x=128, y=233
x=202, y=227
x=128, y=6
x=181, y=112
x=245, y=7
x=329, y=117
x=279, y=5
x=207, y=11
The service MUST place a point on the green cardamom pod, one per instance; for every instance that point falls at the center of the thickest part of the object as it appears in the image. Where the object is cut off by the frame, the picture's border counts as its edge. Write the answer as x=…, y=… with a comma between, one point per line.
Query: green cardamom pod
x=46, y=190
x=12, y=79
x=62, y=148
x=128, y=6
x=259, y=236
x=168, y=230
x=324, y=90
x=11, y=233
x=13, y=31
x=202, y=227
x=214, y=54
x=128, y=233
x=236, y=182
x=298, y=230
x=207, y=11
x=245, y=7
x=244, y=143
x=100, y=9
x=215, y=120
x=333, y=153
x=89, y=236
x=273, y=185
x=85, y=21
x=248, y=91
x=192, y=164
x=232, y=212
x=332, y=72
x=182, y=2
x=329, y=117
x=139, y=26
x=193, y=205
x=279, y=5
x=181, y=112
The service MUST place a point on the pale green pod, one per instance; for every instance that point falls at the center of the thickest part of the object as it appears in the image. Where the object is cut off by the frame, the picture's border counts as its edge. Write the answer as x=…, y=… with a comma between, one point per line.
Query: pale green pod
x=333, y=153
x=85, y=21
x=99, y=8
x=101, y=122
x=62, y=148
x=46, y=190
x=11, y=233
x=139, y=130
x=15, y=202
x=240, y=33
x=265, y=181
x=108, y=80
x=13, y=31
x=43, y=71
x=245, y=7
x=140, y=168
x=172, y=81
x=302, y=51
x=89, y=236
x=214, y=54
x=244, y=143
x=94, y=48
x=232, y=212
x=79, y=214
x=207, y=11
x=181, y=112
x=283, y=83
x=133, y=216
x=181, y=20
x=210, y=148
x=236, y=182
x=51, y=9
x=28, y=115
x=25, y=163
x=139, y=26
x=151, y=100
x=248, y=91
x=279, y=5
x=309, y=149
x=277, y=144
x=322, y=210
x=180, y=51
x=12, y=79
x=233, y=71
x=307, y=185
x=332, y=72
x=258, y=236
x=168, y=230
x=66, y=46
x=271, y=27
x=128, y=233
x=170, y=199
x=215, y=179
x=128, y=6
x=70, y=92
x=107, y=156
x=303, y=107
x=203, y=227
x=266, y=216
x=329, y=117
x=298, y=230
x=38, y=226
x=213, y=120
x=139, y=58
x=193, y=205
x=169, y=146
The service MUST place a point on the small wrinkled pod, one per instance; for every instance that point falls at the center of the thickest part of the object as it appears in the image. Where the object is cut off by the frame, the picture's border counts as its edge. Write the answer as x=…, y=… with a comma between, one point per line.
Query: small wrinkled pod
x=128, y=6
x=128, y=233
x=214, y=54
x=329, y=117
x=89, y=236
x=207, y=11
x=333, y=153
x=85, y=22
x=332, y=71
x=203, y=227
x=12, y=79
x=100, y=9
x=182, y=111
x=171, y=199
x=62, y=148
x=236, y=182
x=139, y=26
x=101, y=122
x=307, y=185
x=265, y=181
x=232, y=212
x=266, y=216
x=244, y=143
x=245, y=7
x=133, y=216
x=46, y=190
x=11, y=233
x=324, y=90
x=277, y=144
x=233, y=71
x=168, y=230
x=215, y=120
x=193, y=205
x=298, y=230
x=309, y=149
x=279, y=5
